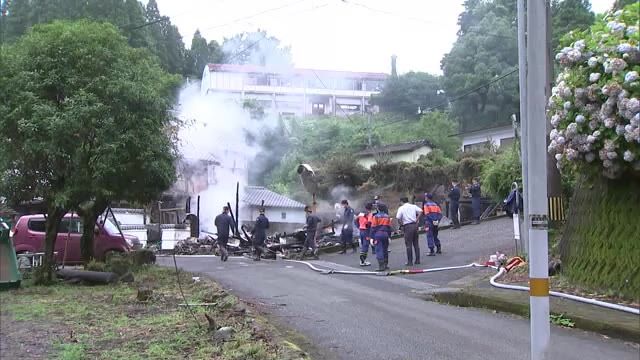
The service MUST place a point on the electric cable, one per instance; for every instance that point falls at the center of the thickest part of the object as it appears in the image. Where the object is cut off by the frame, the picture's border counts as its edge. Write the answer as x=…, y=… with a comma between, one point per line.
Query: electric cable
x=449, y=101
x=184, y=298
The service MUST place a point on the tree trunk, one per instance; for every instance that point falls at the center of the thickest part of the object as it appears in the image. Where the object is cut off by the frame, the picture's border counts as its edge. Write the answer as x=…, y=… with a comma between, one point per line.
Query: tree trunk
x=600, y=242
x=54, y=217
x=89, y=217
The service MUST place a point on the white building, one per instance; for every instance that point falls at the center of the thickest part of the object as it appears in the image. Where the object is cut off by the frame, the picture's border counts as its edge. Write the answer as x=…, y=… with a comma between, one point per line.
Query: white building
x=496, y=137
x=409, y=152
x=284, y=214
x=296, y=92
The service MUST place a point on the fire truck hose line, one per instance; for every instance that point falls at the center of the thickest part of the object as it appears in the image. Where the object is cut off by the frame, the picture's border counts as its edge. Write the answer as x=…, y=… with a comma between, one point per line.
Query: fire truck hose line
x=540, y=286
x=503, y=271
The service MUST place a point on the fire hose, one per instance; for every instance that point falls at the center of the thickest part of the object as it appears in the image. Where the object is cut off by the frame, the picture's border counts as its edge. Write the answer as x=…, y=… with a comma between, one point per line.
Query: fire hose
x=493, y=281
x=503, y=271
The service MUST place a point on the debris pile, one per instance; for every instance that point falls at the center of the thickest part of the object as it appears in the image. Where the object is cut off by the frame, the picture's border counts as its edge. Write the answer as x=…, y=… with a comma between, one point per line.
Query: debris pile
x=195, y=246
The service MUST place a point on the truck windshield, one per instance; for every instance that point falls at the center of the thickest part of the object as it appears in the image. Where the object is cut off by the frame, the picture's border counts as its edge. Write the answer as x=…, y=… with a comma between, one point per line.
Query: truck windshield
x=111, y=228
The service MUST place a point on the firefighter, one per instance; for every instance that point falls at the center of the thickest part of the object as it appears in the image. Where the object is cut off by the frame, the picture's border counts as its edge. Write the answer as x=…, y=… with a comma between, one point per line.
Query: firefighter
x=346, y=235
x=223, y=223
x=260, y=234
x=454, y=198
x=475, y=191
x=381, y=232
x=432, y=215
x=312, y=229
x=364, y=225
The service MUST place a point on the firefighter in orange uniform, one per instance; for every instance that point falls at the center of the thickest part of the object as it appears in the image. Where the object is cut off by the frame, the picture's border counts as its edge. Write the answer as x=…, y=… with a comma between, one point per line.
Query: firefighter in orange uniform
x=364, y=225
x=432, y=215
x=381, y=232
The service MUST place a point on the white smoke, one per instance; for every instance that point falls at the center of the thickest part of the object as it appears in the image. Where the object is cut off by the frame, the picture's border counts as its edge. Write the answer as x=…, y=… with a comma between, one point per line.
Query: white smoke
x=216, y=132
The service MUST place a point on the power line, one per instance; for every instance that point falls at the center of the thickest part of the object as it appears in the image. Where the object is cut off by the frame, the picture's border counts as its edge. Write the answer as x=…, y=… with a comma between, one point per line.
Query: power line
x=254, y=15
x=449, y=101
x=424, y=21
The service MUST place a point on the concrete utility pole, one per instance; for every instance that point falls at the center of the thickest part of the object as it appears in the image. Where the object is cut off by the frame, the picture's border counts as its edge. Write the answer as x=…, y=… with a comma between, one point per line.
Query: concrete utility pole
x=522, y=73
x=537, y=64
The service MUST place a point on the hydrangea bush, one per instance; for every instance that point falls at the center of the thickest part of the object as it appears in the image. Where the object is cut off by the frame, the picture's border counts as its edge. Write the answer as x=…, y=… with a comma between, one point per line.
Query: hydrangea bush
x=594, y=108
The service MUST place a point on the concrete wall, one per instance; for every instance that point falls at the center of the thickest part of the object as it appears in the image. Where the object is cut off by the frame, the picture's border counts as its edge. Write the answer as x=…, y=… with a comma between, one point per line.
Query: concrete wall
x=409, y=156
x=495, y=136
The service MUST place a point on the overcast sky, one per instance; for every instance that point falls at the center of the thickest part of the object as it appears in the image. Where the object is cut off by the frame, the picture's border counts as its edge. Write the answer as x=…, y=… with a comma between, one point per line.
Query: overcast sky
x=358, y=35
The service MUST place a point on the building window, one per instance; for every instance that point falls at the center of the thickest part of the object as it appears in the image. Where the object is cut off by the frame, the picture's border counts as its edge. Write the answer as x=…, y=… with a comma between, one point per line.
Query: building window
x=349, y=107
x=482, y=146
x=317, y=108
x=283, y=216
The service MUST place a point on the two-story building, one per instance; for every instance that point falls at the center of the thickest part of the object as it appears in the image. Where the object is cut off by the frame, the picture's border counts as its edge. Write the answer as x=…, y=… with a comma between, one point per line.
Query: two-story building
x=297, y=92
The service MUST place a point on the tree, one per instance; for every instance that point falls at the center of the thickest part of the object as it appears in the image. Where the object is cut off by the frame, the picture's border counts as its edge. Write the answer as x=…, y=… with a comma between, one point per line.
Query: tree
x=159, y=36
x=436, y=127
x=85, y=116
x=486, y=48
x=406, y=93
x=201, y=53
x=568, y=15
x=595, y=114
x=257, y=48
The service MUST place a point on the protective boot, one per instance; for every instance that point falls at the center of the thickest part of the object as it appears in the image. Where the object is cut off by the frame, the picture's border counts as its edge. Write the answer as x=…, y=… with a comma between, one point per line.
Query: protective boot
x=304, y=253
x=409, y=257
x=354, y=246
x=438, y=250
x=381, y=265
x=386, y=261
x=315, y=255
x=431, y=252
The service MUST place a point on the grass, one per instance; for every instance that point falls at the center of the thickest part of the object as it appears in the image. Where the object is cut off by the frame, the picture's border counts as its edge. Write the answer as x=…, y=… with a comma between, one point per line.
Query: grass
x=107, y=322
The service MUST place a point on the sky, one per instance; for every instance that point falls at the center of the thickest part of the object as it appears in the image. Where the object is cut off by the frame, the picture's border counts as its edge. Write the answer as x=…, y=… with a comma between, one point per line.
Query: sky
x=348, y=35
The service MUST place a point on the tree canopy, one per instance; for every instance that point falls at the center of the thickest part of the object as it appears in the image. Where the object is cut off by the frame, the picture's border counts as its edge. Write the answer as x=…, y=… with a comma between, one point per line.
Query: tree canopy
x=406, y=93
x=85, y=117
x=569, y=15
x=257, y=48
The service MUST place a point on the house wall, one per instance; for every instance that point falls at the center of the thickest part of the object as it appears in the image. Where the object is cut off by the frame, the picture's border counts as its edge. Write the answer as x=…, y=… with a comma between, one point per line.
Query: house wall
x=408, y=156
x=295, y=218
x=497, y=137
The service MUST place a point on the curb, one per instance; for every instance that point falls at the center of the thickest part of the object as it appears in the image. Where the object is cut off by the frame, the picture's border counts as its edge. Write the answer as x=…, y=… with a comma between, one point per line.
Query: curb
x=485, y=300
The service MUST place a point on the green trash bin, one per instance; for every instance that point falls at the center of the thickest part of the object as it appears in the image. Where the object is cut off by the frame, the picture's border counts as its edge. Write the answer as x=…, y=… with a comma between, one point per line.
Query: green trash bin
x=9, y=274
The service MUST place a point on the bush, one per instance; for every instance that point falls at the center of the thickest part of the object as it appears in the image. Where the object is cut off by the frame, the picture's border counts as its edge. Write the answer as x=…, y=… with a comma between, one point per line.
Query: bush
x=594, y=107
x=499, y=173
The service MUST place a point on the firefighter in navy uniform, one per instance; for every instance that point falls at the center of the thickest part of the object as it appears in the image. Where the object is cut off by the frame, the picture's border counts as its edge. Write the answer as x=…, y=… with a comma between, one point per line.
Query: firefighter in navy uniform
x=312, y=229
x=381, y=233
x=223, y=223
x=346, y=236
x=260, y=234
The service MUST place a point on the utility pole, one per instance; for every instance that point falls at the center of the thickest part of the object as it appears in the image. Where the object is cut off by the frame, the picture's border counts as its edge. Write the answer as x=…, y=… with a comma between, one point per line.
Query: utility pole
x=522, y=73
x=538, y=222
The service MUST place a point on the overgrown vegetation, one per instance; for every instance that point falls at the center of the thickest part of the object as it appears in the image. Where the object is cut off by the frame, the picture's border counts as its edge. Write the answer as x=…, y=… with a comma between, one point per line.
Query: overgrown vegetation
x=108, y=322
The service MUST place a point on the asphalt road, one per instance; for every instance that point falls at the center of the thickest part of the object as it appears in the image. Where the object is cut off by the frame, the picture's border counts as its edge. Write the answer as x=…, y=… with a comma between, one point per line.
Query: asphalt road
x=373, y=317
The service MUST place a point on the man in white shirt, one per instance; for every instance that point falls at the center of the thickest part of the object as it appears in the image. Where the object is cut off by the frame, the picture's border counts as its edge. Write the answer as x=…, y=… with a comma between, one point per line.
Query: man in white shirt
x=408, y=219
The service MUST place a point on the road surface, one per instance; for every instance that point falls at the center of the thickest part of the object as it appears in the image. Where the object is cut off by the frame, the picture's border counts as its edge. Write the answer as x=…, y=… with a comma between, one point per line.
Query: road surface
x=371, y=317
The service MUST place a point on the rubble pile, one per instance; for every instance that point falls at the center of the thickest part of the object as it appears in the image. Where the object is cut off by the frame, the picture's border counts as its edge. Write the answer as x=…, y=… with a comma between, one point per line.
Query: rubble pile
x=195, y=246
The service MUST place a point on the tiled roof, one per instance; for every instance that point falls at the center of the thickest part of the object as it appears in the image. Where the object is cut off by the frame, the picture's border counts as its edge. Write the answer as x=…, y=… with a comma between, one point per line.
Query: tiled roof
x=395, y=148
x=254, y=195
x=297, y=71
